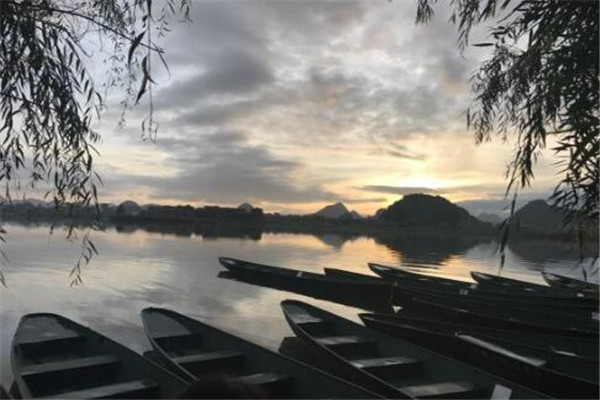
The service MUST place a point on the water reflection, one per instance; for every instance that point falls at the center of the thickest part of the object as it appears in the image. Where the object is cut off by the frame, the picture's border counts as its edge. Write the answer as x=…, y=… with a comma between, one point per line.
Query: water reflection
x=141, y=266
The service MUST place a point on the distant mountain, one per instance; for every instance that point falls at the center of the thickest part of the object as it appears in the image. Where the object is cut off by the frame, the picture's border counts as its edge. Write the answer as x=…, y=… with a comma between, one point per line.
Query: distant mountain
x=379, y=213
x=355, y=216
x=333, y=211
x=538, y=215
x=490, y=217
x=422, y=210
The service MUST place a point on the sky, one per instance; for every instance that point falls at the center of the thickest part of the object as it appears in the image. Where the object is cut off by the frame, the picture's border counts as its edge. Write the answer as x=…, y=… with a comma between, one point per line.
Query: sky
x=294, y=105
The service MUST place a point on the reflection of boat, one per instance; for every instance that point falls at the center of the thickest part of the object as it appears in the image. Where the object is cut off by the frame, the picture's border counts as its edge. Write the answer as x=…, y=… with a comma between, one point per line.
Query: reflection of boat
x=495, y=318
x=393, y=368
x=564, y=282
x=556, y=374
x=193, y=349
x=53, y=356
x=367, y=295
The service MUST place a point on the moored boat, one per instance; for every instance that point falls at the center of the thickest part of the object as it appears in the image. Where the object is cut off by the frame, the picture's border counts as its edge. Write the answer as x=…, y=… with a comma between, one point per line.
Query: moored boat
x=53, y=356
x=482, y=317
x=556, y=374
x=391, y=367
x=564, y=282
x=372, y=295
x=580, y=347
x=574, y=308
x=581, y=321
x=495, y=281
x=395, y=274
x=418, y=281
x=194, y=349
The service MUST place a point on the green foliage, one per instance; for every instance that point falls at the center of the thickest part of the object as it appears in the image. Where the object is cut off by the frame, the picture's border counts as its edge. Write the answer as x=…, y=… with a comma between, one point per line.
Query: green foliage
x=49, y=99
x=540, y=81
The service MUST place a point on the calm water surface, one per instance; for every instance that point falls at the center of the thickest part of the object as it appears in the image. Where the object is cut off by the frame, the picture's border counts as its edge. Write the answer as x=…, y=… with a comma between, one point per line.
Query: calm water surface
x=138, y=269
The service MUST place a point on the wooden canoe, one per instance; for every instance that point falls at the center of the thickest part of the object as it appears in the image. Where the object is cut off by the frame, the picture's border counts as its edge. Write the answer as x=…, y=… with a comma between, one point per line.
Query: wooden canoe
x=500, y=282
x=556, y=374
x=433, y=306
x=193, y=349
x=380, y=302
x=586, y=322
x=366, y=295
x=564, y=282
x=53, y=356
x=554, y=297
x=404, y=289
x=391, y=367
x=581, y=347
x=575, y=308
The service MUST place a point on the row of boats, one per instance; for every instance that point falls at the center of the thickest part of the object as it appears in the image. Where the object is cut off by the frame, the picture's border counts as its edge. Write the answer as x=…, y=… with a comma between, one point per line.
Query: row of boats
x=542, y=337
x=436, y=346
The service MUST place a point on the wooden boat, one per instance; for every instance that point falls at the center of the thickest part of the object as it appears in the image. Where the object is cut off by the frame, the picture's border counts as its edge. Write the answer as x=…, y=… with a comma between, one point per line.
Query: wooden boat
x=483, y=317
x=193, y=349
x=573, y=308
x=562, y=298
x=367, y=295
x=4, y=393
x=393, y=368
x=379, y=302
x=405, y=289
x=394, y=274
x=53, y=356
x=495, y=281
x=544, y=317
x=342, y=273
x=564, y=282
x=556, y=375
x=581, y=347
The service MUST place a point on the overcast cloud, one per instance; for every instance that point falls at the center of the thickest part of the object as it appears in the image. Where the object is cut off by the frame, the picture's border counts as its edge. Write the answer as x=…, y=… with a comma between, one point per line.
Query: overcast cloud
x=294, y=104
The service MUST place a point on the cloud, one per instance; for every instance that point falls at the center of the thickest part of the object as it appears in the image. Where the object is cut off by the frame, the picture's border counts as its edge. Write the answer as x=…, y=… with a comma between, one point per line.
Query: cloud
x=260, y=91
x=223, y=168
x=401, y=190
x=226, y=73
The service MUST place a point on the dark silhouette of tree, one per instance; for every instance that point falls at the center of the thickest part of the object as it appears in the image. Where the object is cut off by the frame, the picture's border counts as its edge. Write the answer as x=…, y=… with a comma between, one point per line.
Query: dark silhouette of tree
x=48, y=96
x=540, y=81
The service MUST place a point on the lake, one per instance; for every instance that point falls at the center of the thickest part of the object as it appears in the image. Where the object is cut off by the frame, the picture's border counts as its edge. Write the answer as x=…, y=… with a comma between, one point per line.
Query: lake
x=138, y=269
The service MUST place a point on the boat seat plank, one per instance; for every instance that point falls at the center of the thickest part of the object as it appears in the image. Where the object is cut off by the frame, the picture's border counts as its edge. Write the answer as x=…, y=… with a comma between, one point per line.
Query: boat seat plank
x=307, y=319
x=382, y=362
x=390, y=367
x=538, y=362
x=342, y=340
x=203, y=362
x=68, y=365
x=349, y=346
x=131, y=389
x=204, y=357
x=174, y=340
x=442, y=390
x=42, y=337
x=174, y=333
x=277, y=385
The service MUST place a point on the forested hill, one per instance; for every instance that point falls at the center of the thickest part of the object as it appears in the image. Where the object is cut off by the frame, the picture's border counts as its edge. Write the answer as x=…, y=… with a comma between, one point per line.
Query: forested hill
x=421, y=210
